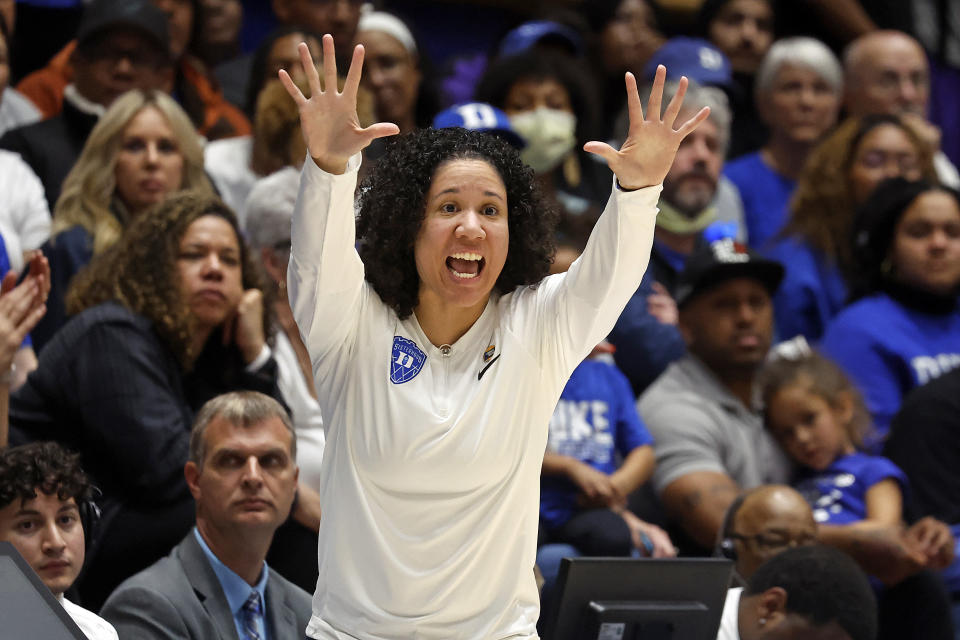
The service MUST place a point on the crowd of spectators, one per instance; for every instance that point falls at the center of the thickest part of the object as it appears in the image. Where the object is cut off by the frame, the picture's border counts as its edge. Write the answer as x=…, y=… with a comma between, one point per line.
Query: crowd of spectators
x=798, y=324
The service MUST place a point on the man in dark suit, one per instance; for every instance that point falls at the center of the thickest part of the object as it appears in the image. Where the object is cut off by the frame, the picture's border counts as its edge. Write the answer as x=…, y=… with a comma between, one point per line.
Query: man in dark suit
x=216, y=583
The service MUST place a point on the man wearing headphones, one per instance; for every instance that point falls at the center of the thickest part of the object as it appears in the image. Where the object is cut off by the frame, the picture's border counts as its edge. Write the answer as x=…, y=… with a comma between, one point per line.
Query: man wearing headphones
x=768, y=520
x=45, y=505
x=761, y=523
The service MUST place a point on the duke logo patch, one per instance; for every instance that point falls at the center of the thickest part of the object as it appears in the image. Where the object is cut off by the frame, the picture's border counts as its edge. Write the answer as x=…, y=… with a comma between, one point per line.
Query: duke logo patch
x=406, y=361
x=492, y=349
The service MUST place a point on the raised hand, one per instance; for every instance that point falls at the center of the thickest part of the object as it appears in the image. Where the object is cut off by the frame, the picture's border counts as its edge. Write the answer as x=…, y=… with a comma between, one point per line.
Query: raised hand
x=328, y=119
x=652, y=142
x=21, y=307
x=38, y=270
x=662, y=306
x=245, y=326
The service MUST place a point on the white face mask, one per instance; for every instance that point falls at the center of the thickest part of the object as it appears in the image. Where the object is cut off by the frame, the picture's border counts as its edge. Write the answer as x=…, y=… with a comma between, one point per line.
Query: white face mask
x=550, y=135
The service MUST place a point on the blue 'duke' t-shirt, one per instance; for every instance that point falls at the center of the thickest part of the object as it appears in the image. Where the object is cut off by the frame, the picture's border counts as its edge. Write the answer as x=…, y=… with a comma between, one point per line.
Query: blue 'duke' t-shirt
x=594, y=420
x=888, y=350
x=838, y=494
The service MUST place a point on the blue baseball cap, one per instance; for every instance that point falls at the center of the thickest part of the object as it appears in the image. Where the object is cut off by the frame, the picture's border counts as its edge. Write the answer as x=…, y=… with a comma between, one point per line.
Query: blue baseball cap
x=530, y=33
x=479, y=116
x=695, y=58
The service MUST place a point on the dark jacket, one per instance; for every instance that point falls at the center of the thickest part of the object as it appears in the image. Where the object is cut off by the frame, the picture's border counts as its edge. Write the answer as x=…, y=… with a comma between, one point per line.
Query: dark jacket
x=51, y=147
x=67, y=252
x=645, y=346
x=109, y=388
x=181, y=597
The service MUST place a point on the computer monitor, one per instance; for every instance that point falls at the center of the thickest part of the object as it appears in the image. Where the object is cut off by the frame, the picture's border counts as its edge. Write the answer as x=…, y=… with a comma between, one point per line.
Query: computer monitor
x=639, y=599
x=27, y=608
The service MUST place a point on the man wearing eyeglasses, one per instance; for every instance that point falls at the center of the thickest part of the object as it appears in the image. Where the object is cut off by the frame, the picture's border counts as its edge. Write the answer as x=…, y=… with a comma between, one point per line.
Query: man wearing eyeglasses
x=766, y=521
x=762, y=523
x=888, y=72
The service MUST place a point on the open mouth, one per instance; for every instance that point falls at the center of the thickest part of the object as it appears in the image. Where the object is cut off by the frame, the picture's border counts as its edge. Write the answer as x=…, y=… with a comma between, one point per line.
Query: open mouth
x=465, y=265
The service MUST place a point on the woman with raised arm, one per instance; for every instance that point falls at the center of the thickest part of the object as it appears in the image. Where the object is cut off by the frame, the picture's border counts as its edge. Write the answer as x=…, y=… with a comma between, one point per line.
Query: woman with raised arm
x=440, y=351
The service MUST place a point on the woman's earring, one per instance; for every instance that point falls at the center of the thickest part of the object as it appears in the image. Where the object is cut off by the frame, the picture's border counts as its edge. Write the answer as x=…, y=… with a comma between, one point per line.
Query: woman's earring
x=762, y=621
x=886, y=267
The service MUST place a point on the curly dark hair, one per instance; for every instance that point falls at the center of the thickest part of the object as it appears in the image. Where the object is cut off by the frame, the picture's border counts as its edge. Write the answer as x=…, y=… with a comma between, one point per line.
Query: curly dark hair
x=393, y=203
x=42, y=466
x=140, y=271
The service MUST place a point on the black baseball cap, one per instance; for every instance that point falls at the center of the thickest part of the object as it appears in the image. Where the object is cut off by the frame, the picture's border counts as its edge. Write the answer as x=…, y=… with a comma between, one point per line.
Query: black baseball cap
x=723, y=260
x=140, y=15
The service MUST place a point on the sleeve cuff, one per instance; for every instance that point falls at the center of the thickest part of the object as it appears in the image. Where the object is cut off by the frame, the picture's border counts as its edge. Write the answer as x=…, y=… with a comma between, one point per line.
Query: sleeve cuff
x=353, y=165
x=260, y=360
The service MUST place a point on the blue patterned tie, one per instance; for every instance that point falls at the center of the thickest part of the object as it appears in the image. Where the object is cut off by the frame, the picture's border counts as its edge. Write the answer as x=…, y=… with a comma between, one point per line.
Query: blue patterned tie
x=252, y=613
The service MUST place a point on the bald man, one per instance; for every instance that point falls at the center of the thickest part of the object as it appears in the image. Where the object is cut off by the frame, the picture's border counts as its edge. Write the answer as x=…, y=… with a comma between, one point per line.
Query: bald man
x=768, y=520
x=764, y=522
x=887, y=72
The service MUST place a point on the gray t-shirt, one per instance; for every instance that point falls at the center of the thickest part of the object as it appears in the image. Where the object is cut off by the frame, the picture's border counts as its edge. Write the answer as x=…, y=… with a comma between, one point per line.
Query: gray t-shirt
x=698, y=425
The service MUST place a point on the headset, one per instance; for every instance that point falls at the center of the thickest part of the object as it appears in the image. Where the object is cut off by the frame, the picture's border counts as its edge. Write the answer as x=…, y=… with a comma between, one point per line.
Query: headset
x=726, y=547
x=89, y=517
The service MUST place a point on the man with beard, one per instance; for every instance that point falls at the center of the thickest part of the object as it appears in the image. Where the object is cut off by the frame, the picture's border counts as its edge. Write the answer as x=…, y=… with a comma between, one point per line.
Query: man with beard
x=646, y=336
x=687, y=201
x=710, y=438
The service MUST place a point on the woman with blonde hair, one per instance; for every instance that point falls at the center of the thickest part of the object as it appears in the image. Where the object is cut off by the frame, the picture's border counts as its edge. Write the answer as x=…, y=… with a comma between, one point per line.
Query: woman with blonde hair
x=142, y=149
x=816, y=244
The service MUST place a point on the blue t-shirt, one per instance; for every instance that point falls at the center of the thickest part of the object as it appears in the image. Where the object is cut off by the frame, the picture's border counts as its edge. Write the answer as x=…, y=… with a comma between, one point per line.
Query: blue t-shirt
x=812, y=291
x=889, y=349
x=838, y=494
x=594, y=420
x=765, y=194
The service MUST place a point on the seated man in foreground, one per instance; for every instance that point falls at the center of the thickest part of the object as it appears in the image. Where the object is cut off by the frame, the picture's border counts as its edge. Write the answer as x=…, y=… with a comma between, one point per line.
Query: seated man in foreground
x=770, y=519
x=41, y=490
x=216, y=584
x=812, y=592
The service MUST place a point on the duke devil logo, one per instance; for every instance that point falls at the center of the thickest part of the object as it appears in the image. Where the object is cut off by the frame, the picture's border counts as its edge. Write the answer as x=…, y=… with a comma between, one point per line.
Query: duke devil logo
x=406, y=361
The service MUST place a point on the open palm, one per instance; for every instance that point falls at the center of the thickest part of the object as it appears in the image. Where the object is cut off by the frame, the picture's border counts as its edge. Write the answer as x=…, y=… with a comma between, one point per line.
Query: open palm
x=652, y=142
x=328, y=118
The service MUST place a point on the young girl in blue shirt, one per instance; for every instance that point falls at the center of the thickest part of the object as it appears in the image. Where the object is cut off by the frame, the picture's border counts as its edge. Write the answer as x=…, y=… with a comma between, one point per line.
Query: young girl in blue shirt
x=819, y=419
